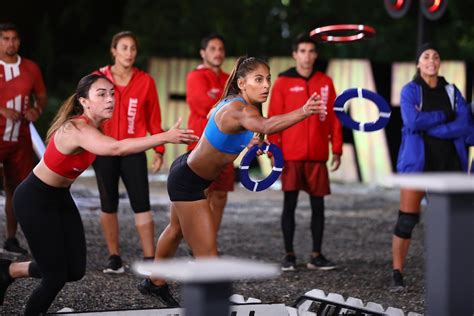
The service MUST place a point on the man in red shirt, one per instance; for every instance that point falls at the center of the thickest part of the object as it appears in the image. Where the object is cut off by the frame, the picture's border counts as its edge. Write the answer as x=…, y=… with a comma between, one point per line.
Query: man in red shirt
x=204, y=87
x=305, y=147
x=20, y=78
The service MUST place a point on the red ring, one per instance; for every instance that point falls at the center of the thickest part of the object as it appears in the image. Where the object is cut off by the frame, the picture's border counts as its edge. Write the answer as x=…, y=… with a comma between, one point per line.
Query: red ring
x=321, y=33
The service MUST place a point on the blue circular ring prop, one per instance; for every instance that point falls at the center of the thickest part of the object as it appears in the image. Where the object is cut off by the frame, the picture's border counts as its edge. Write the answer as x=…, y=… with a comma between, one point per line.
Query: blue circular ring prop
x=346, y=120
x=256, y=186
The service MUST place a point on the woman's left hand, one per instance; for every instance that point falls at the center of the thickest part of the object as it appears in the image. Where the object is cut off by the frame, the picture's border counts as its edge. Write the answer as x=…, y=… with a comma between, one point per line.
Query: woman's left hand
x=157, y=162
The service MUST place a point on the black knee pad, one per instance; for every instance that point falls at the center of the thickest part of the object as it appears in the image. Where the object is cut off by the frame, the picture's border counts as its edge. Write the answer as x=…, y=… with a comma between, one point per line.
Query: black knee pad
x=405, y=224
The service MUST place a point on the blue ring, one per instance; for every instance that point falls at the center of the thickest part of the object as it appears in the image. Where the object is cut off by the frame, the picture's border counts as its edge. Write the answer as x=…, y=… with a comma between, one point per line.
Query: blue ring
x=346, y=120
x=256, y=186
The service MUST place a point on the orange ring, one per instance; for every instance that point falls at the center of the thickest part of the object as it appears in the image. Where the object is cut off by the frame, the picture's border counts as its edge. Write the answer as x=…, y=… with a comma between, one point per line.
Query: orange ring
x=321, y=33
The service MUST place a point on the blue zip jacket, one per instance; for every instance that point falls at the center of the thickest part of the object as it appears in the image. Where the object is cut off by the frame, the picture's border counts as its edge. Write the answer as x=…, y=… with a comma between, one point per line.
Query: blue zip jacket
x=411, y=157
x=470, y=133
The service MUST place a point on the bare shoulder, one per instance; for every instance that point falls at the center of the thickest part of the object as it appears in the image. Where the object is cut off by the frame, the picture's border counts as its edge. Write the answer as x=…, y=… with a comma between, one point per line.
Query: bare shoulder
x=67, y=136
x=76, y=129
x=74, y=125
x=240, y=106
x=237, y=104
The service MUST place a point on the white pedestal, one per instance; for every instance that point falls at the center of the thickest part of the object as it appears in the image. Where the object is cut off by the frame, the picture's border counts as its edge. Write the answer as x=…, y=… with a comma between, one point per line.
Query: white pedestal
x=207, y=282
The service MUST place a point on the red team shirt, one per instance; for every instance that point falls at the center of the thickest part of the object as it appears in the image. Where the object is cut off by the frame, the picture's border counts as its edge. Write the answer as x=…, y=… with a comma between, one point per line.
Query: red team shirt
x=18, y=82
x=137, y=109
x=203, y=89
x=307, y=140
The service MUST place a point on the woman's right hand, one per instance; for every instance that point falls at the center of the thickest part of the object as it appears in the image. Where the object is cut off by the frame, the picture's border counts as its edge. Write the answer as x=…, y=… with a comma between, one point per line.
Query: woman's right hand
x=259, y=142
x=314, y=105
x=179, y=135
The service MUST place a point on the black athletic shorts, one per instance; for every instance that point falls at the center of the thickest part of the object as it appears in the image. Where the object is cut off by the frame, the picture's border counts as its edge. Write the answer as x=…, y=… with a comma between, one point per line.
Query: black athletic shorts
x=183, y=184
x=134, y=173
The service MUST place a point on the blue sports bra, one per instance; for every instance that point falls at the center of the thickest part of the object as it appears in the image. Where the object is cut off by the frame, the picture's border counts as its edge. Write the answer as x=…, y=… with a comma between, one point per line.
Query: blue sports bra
x=227, y=143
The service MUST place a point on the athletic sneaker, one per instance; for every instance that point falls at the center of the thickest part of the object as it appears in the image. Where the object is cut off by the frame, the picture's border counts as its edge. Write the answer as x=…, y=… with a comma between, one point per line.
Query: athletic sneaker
x=115, y=265
x=397, y=281
x=288, y=263
x=321, y=263
x=5, y=278
x=162, y=292
x=12, y=245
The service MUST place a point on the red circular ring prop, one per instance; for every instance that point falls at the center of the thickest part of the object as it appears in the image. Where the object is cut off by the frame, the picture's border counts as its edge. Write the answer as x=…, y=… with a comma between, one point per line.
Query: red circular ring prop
x=323, y=33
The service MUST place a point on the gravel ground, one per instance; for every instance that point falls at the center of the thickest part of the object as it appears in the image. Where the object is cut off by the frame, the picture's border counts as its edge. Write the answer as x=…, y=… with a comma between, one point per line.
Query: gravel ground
x=359, y=223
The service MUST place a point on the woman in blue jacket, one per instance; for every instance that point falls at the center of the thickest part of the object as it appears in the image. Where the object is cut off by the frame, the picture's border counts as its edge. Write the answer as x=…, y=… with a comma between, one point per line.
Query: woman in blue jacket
x=435, y=121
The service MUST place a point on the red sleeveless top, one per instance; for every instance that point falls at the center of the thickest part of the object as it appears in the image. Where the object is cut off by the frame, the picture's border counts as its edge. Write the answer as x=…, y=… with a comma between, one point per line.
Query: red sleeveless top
x=68, y=166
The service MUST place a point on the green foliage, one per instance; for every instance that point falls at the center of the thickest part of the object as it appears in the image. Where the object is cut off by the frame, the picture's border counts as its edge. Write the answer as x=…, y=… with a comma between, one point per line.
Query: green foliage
x=69, y=39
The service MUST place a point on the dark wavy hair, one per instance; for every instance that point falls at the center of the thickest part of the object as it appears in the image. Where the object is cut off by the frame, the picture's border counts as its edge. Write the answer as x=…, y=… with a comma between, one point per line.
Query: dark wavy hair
x=72, y=107
x=242, y=67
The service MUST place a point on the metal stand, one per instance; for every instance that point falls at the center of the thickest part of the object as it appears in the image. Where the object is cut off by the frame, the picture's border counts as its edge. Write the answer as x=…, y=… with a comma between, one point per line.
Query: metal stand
x=449, y=240
x=202, y=298
x=450, y=256
x=207, y=283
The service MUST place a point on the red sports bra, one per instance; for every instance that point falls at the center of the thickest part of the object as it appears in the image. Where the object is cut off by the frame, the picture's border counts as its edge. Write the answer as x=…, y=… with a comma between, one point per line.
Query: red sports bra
x=68, y=166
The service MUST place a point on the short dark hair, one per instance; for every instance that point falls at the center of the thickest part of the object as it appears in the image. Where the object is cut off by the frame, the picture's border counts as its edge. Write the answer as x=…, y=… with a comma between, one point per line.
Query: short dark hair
x=303, y=38
x=8, y=27
x=205, y=41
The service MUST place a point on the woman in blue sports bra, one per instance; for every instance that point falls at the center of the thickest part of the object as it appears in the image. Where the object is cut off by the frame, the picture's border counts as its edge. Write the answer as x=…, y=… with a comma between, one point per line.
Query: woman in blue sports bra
x=231, y=127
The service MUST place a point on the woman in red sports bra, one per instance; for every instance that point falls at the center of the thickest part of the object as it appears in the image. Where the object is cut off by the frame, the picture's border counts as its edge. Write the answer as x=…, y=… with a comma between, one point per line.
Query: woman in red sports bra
x=42, y=202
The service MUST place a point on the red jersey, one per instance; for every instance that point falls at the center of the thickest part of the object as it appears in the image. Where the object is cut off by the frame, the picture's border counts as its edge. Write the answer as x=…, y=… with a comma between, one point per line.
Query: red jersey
x=18, y=82
x=137, y=108
x=203, y=89
x=69, y=166
x=307, y=140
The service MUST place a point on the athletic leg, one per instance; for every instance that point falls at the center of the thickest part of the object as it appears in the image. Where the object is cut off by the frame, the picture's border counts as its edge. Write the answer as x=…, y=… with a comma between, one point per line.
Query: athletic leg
x=408, y=217
x=290, y=200
x=36, y=209
x=12, y=225
x=217, y=202
x=74, y=238
x=135, y=178
x=17, y=166
x=218, y=192
x=317, y=223
x=110, y=230
x=107, y=170
x=197, y=226
x=169, y=240
x=410, y=201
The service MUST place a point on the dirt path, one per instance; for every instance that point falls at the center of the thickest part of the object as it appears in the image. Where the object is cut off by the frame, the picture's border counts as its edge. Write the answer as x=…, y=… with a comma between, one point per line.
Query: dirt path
x=359, y=223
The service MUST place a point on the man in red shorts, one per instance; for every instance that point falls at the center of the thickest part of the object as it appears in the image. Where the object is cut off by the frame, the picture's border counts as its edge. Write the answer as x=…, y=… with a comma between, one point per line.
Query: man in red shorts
x=20, y=78
x=204, y=87
x=305, y=148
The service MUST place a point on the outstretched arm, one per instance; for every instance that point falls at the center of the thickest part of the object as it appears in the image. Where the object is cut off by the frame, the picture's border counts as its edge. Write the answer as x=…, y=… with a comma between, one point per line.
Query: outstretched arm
x=251, y=119
x=92, y=140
